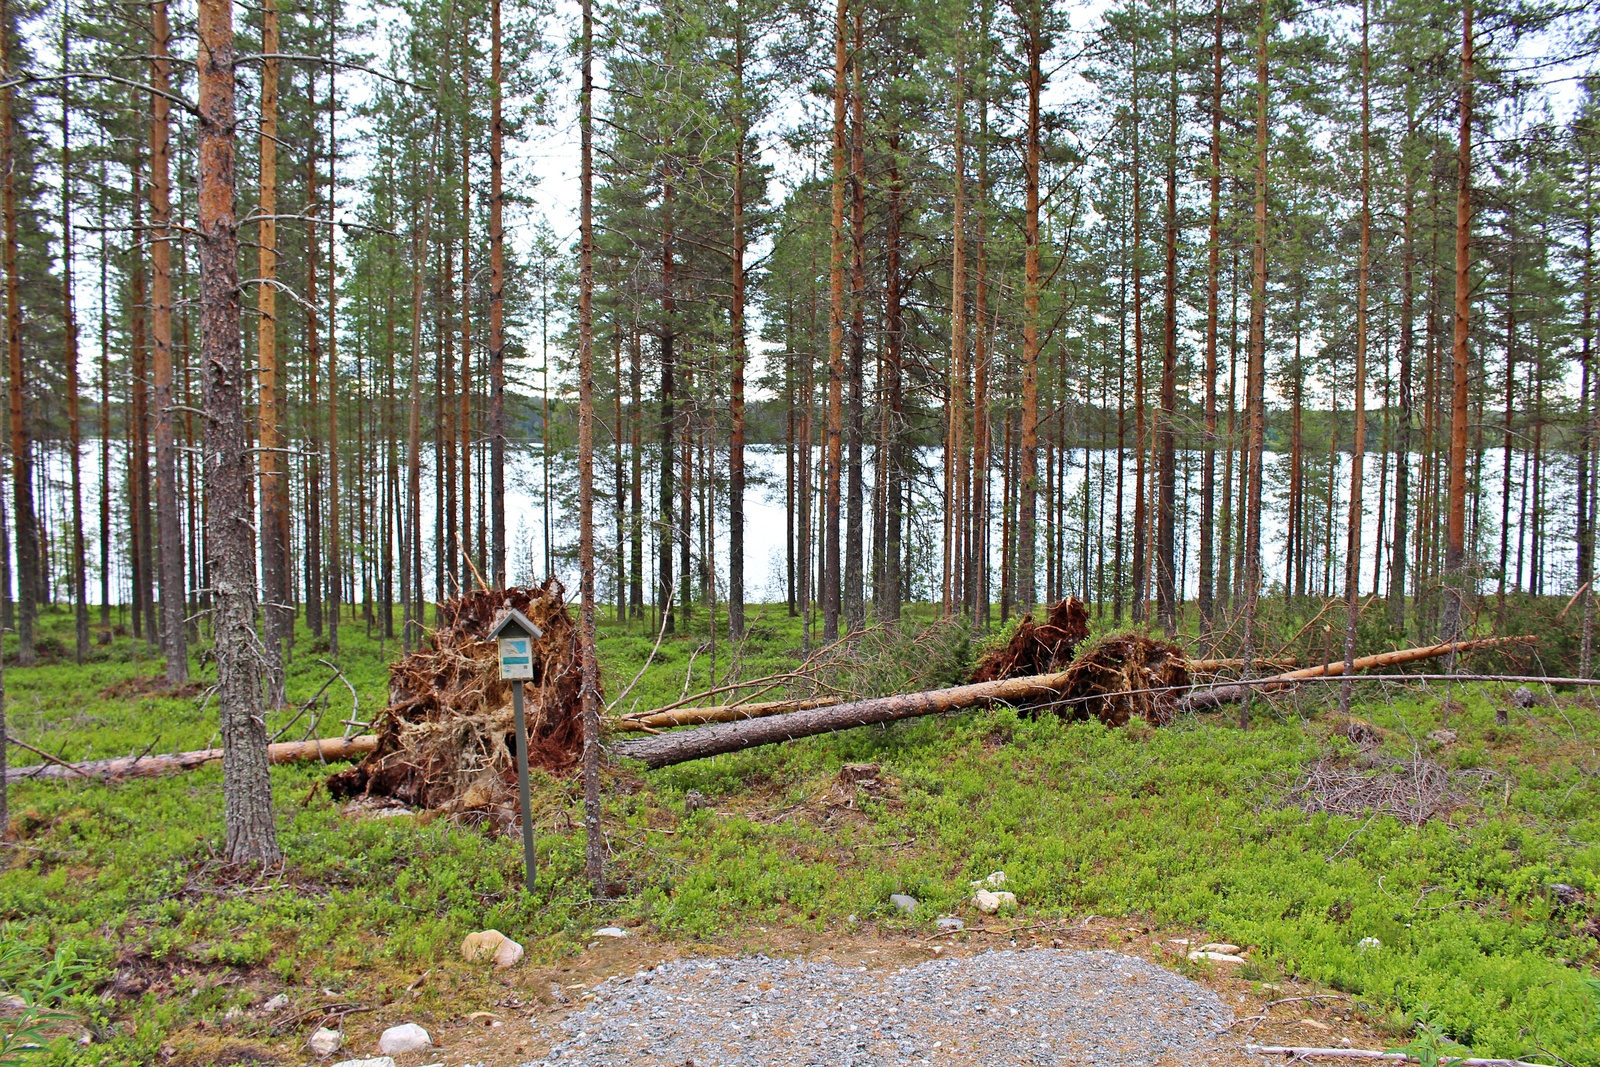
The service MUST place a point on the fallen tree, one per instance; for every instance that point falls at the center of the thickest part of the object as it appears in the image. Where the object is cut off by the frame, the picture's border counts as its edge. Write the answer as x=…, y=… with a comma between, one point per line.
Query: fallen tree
x=121, y=768
x=662, y=750
x=661, y=720
x=1231, y=693
x=1113, y=695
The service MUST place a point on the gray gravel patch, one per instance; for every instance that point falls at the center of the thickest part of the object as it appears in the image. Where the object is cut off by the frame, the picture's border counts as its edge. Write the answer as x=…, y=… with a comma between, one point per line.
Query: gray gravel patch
x=1041, y=1006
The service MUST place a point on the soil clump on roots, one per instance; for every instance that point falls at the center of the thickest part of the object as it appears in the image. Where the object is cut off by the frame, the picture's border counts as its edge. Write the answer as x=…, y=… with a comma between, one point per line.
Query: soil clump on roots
x=1123, y=675
x=1038, y=647
x=1111, y=679
x=447, y=742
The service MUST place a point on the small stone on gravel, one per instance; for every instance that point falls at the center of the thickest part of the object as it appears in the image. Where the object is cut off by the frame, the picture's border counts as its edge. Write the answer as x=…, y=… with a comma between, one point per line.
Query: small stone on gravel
x=950, y=923
x=375, y=1061
x=989, y=903
x=997, y=880
x=407, y=1037
x=276, y=1004
x=611, y=931
x=324, y=1042
x=492, y=944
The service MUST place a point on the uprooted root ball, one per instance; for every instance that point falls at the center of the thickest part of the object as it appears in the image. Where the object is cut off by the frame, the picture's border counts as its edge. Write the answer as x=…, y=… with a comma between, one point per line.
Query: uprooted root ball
x=1038, y=647
x=1120, y=676
x=446, y=742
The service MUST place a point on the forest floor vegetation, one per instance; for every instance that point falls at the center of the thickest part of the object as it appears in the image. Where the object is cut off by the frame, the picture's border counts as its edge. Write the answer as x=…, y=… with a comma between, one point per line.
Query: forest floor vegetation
x=1474, y=922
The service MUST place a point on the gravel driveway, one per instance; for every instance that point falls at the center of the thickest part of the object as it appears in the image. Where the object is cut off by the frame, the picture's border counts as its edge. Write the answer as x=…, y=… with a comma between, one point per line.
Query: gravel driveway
x=1040, y=1006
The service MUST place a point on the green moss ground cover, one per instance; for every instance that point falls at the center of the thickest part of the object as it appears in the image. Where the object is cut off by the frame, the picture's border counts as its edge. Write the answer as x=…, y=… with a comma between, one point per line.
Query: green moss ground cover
x=1186, y=827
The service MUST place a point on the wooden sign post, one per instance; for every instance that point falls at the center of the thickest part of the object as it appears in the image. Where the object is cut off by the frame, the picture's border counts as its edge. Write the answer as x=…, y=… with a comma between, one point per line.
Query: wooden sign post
x=516, y=635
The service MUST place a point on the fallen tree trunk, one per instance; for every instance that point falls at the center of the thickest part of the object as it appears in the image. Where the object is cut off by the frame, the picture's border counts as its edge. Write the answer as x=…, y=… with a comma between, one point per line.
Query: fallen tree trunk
x=666, y=749
x=662, y=750
x=661, y=720
x=645, y=722
x=1202, y=665
x=1227, y=694
x=125, y=767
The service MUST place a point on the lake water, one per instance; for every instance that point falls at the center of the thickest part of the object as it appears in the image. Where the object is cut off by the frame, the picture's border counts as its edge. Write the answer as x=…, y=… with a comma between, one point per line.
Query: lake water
x=765, y=551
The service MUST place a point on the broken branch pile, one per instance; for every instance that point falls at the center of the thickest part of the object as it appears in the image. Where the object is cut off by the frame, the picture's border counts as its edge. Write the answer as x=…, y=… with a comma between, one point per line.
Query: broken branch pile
x=1412, y=791
x=446, y=740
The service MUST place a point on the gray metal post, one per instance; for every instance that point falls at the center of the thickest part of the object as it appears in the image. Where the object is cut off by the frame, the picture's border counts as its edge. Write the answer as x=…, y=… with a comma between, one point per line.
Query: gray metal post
x=528, y=859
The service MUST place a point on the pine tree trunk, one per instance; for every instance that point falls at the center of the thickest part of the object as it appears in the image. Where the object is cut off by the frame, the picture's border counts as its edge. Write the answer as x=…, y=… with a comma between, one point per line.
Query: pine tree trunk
x=230, y=549
x=978, y=497
x=636, y=474
x=835, y=414
x=411, y=548
x=1358, y=442
x=1586, y=483
x=274, y=550
x=1208, y=475
x=1255, y=378
x=313, y=446
x=1140, y=557
x=105, y=413
x=497, y=285
x=80, y=603
x=1166, y=441
x=854, y=599
x=1455, y=562
x=1402, y=468
x=664, y=590
x=139, y=425
x=464, y=393
x=619, y=508
x=169, y=532
x=1028, y=460
x=26, y=524
x=956, y=473
x=736, y=594
x=892, y=592
x=594, y=853
x=335, y=568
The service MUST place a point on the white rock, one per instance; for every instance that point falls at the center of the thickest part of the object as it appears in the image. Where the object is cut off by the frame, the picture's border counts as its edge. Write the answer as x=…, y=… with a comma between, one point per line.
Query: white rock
x=375, y=1061
x=276, y=1004
x=611, y=931
x=324, y=1042
x=407, y=1037
x=487, y=944
x=509, y=954
x=482, y=945
x=997, y=880
x=989, y=902
x=906, y=904
x=12, y=1002
x=950, y=922
x=1217, y=946
x=1214, y=957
